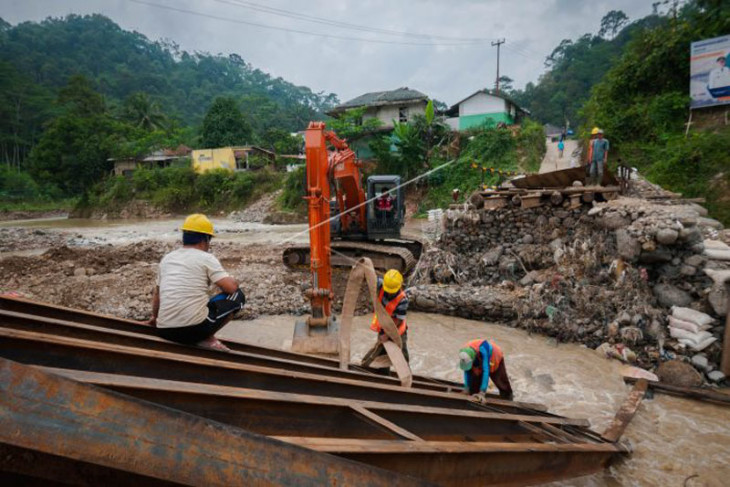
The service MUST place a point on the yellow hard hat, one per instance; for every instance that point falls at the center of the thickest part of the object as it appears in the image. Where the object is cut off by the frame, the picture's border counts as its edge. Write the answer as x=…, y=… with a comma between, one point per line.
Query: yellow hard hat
x=197, y=222
x=595, y=130
x=392, y=281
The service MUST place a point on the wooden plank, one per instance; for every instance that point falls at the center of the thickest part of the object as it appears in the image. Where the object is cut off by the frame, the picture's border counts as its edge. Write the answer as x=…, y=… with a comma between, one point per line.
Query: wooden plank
x=495, y=202
x=379, y=420
x=575, y=201
x=725, y=364
x=347, y=445
x=688, y=392
x=531, y=201
x=626, y=412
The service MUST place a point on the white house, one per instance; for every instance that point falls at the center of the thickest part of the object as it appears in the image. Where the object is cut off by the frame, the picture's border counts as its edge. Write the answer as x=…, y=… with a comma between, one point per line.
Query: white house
x=399, y=105
x=481, y=107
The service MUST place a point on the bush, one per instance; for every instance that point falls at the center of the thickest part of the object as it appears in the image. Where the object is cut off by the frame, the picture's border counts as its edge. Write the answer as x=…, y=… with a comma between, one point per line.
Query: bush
x=181, y=189
x=292, y=196
x=17, y=185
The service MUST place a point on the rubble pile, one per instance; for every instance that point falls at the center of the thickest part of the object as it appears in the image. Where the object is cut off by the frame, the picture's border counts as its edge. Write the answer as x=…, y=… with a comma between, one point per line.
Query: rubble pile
x=606, y=276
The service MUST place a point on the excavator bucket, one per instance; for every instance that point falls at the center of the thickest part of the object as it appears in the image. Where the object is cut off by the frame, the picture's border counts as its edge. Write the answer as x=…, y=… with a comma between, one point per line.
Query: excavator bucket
x=322, y=339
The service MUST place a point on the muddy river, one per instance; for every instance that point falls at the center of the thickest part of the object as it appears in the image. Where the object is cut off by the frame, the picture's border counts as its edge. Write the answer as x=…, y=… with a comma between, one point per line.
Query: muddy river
x=676, y=441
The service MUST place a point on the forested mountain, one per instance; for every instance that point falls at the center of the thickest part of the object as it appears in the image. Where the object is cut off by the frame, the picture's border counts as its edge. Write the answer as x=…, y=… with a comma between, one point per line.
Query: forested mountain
x=38, y=59
x=575, y=66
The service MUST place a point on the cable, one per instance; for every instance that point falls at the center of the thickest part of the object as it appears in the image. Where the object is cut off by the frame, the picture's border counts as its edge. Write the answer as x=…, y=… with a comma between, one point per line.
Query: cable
x=295, y=31
x=336, y=23
x=402, y=185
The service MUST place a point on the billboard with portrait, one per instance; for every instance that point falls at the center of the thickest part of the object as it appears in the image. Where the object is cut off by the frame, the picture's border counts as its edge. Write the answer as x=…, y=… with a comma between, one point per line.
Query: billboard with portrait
x=709, y=83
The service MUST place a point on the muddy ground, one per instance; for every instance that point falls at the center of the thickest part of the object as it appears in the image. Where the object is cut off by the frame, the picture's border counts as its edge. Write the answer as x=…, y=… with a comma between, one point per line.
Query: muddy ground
x=118, y=280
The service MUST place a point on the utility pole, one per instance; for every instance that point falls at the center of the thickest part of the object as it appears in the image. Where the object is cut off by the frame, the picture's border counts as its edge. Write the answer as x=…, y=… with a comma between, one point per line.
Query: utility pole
x=498, y=43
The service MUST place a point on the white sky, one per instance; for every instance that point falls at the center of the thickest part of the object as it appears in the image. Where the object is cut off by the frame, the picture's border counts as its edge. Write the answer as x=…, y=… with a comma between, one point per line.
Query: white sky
x=532, y=28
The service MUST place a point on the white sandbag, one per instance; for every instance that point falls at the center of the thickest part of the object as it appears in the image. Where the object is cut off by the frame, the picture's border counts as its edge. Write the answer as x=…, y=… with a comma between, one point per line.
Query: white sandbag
x=691, y=315
x=687, y=325
x=698, y=347
x=716, y=254
x=696, y=338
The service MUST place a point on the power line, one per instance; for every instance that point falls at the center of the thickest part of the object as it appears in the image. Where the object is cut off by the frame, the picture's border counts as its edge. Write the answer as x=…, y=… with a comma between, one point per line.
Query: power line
x=336, y=23
x=296, y=31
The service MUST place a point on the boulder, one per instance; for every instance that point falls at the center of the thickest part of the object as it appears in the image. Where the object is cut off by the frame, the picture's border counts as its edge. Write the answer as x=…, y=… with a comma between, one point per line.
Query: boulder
x=614, y=221
x=628, y=247
x=79, y=272
x=528, y=239
x=694, y=260
x=688, y=270
x=668, y=296
x=716, y=376
x=700, y=361
x=667, y=236
x=718, y=300
x=678, y=373
x=656, y=256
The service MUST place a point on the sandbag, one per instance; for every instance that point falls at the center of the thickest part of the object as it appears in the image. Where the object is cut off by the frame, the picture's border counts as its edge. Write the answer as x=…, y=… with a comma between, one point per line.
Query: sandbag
x=687, y=325
x=679, y=333
x=691, y=315
x=698, y=347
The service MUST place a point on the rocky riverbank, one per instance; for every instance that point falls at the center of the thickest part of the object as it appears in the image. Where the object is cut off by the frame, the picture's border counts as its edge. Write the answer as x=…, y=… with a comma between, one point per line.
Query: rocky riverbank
x=604, y=275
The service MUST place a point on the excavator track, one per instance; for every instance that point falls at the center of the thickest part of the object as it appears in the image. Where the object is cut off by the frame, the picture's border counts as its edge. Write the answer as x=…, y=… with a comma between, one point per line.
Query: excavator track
x=391, y=254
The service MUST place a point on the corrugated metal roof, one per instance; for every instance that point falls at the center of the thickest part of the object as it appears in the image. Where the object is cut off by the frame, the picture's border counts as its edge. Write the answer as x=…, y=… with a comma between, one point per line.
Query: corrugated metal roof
x=377, y=98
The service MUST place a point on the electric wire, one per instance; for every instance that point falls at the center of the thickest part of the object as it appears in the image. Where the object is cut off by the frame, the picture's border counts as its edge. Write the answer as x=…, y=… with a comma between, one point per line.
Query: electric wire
x=335, y=23
x=297, y=31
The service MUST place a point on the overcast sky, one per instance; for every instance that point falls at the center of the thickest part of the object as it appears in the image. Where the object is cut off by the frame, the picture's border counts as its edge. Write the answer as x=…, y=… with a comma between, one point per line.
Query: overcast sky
x=366, y=49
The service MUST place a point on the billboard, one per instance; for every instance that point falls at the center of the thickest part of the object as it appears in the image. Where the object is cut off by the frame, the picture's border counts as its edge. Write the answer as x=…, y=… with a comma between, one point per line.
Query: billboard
x=709, y=83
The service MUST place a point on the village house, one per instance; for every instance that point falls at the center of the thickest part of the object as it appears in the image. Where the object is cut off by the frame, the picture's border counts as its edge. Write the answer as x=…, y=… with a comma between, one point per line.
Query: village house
x=158, y=159
x=237, y=158
x=398, y=105
x=482, y=107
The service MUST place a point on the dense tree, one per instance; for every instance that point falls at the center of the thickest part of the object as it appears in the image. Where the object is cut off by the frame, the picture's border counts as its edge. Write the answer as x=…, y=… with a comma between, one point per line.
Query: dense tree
x=73, y=152
x=224, y=125
x=611, y=23
x=574, y=67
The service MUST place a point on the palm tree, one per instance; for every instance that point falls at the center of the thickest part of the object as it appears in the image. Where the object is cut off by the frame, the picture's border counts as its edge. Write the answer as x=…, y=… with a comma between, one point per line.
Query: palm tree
x=143, y=112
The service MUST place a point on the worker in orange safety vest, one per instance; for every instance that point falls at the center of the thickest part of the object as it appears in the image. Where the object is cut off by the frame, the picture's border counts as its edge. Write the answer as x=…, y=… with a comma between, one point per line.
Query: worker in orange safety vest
x=394, y=300
x=482, y=360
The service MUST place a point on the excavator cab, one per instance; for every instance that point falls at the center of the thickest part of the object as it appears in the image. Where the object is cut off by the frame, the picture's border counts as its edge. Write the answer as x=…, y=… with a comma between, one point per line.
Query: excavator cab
x=386, y=208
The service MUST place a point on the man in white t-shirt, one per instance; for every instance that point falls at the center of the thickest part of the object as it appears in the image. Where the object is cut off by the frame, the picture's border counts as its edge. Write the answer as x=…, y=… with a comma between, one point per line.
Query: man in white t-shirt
x=181, y=309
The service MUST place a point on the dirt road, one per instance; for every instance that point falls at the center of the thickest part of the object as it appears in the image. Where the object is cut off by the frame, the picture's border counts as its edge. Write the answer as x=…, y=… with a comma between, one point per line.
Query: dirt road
x=552, y=160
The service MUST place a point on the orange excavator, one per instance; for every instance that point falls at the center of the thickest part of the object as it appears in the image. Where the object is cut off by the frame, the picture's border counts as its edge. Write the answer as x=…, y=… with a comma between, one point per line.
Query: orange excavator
x=346, y=222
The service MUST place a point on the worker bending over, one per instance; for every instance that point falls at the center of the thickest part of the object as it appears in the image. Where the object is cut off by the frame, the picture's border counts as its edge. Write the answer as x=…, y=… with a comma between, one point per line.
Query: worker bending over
x=394, y=300
x=482, y=360
x=181, y=310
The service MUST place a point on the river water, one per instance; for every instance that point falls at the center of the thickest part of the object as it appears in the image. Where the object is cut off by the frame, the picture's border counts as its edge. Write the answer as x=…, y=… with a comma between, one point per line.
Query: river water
x=673, y=438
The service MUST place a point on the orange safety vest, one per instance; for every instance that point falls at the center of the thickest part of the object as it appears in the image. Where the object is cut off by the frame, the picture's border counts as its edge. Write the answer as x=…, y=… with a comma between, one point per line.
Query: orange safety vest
x=494, y=360
x=390, y=309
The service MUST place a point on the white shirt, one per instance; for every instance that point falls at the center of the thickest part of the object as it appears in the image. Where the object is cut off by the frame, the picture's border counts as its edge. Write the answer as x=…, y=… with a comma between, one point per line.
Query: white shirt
x=184, y=277
x=719, y=78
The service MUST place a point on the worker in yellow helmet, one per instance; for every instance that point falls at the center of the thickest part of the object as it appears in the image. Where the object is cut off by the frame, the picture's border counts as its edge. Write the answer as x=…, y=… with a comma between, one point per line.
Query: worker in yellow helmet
x=181, y=308
x=394, y=300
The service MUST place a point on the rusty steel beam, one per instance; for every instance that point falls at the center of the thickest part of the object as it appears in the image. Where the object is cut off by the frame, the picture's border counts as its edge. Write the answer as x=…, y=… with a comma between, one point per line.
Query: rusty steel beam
x=69, y=353
x=472, y=463
x=77, y=425
x=21, y=305
x=281, y=414
x=42, y=324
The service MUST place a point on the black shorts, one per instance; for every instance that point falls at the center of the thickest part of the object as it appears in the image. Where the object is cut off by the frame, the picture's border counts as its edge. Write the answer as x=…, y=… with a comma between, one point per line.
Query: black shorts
x=220, y=309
